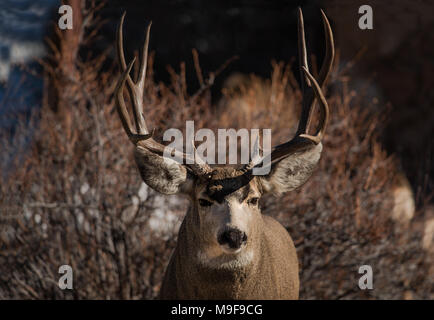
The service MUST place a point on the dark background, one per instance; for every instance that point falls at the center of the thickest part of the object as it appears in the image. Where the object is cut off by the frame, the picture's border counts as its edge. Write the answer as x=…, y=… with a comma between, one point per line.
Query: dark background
x=255, y=31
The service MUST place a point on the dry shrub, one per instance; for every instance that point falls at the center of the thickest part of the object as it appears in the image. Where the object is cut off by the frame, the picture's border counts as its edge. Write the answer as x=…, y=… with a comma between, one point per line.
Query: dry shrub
x=75, y=197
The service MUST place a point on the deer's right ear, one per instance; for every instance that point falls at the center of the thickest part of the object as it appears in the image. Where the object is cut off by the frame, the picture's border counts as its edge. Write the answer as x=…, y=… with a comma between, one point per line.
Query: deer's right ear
x=161, y=174
x=292, y=171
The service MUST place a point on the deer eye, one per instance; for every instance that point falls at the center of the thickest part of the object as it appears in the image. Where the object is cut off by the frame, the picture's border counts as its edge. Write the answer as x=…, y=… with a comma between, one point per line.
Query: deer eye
x=205, y=203
x=253, y=201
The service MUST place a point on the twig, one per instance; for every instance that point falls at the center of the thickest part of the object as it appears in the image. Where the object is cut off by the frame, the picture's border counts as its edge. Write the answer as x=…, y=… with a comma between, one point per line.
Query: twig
x=211, y=78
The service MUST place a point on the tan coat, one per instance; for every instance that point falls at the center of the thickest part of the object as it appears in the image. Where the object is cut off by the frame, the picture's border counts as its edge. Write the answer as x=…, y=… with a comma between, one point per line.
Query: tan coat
x=273, y=273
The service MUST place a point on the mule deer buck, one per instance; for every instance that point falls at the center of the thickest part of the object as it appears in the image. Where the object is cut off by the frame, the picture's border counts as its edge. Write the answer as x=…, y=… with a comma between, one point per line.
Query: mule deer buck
x=226, y=248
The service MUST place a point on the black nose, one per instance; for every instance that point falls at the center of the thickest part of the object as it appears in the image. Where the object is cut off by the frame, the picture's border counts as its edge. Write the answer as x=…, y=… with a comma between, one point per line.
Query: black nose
x=234, y=238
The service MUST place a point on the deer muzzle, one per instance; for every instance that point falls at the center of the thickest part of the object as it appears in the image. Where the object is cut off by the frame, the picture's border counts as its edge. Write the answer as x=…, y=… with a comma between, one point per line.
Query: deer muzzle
x=232, y=237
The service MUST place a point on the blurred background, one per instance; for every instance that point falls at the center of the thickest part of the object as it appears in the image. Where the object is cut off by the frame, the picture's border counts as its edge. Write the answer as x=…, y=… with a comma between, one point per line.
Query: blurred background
x=70, y=192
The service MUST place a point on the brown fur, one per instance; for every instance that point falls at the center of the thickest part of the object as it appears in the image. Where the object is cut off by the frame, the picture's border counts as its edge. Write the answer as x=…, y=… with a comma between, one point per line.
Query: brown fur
x=272, y=274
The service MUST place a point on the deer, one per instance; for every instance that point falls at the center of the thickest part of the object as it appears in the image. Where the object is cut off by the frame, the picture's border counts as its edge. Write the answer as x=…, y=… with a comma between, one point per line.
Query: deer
x=226, y=248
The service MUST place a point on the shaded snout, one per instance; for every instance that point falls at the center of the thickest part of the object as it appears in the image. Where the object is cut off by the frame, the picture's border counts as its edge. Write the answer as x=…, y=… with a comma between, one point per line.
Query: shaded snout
x=232, y=237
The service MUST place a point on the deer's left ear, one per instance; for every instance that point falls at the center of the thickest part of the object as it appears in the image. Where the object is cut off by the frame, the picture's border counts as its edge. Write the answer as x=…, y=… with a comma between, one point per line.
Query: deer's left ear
x=163, y=175
x=292, y=171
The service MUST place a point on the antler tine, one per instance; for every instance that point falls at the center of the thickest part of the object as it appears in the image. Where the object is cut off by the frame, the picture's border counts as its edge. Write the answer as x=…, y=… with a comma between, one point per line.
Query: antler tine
x=309, y=94
x=255, y=158
x=122, y=109
x=330, y=51
x=144, y=62
x=200, y=167
x=135, y=89
x=324, y=109
x=302, y=52
x=120, y=47
x=305, y=84
x=120, y=106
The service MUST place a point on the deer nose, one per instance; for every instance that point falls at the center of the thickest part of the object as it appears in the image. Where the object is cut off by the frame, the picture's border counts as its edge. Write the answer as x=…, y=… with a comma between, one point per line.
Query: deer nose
x=233, y=237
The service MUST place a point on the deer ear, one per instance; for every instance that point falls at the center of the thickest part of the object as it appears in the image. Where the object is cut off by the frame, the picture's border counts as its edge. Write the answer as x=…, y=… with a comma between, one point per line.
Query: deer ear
x=292, y=171
x=162, y=174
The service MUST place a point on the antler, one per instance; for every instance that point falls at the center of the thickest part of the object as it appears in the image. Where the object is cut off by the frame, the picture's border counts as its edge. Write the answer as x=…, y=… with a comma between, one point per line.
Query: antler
x=141, y=135
x=311, y=91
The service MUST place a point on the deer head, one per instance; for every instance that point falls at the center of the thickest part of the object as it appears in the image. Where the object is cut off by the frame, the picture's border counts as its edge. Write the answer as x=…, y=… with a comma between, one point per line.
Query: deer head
x=224, y=215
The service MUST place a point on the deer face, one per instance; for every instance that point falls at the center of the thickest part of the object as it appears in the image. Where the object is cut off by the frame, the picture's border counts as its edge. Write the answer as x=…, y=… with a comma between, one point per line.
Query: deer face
x=227, y=214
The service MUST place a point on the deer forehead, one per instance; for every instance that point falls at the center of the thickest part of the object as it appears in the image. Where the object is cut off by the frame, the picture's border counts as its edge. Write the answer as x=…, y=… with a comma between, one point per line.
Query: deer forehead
x=225, y=184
